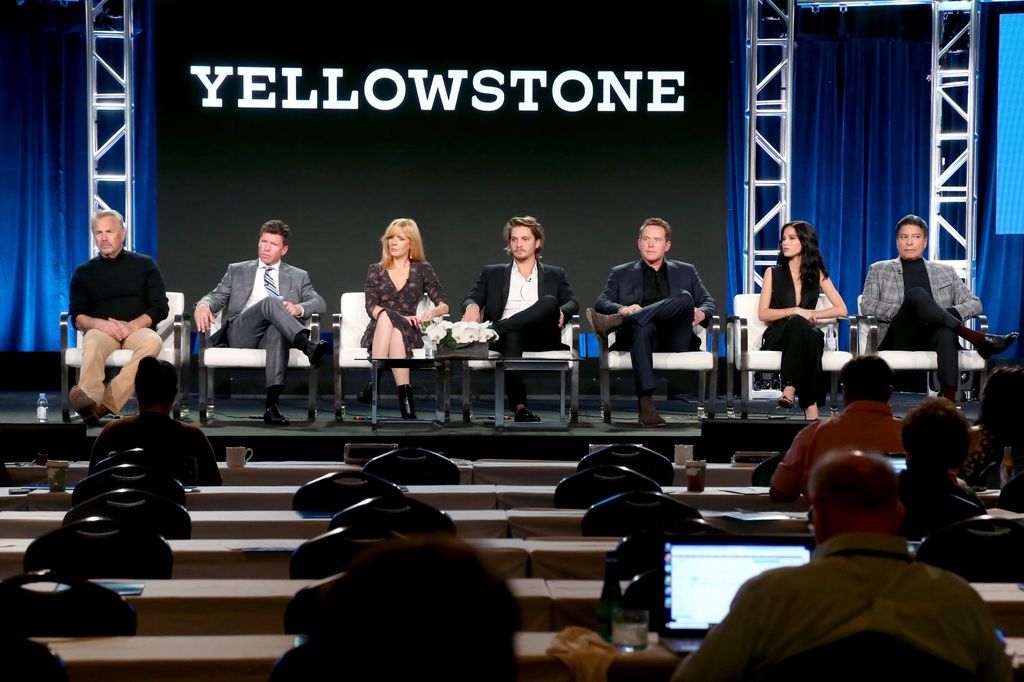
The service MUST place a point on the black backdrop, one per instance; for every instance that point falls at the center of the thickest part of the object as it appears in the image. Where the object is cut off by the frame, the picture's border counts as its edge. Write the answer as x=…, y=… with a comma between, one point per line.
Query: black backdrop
x=339, y=177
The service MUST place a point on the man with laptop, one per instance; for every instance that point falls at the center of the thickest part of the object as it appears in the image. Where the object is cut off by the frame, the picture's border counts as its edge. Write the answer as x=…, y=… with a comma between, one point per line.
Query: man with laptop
x=860, y=580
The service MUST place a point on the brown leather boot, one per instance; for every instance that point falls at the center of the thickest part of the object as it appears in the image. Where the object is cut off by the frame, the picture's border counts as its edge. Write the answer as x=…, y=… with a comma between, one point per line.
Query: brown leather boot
x=648, y=414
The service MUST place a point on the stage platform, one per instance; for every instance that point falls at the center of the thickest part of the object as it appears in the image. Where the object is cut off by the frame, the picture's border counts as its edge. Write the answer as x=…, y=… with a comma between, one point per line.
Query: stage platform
x=238, y=421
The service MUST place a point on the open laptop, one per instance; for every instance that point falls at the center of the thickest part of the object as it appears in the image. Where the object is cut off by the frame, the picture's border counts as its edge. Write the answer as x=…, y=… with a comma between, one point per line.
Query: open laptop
x=703, y=573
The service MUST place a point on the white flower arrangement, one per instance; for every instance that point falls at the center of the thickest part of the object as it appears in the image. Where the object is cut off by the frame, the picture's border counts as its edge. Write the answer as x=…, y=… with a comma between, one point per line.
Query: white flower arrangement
x=445, y=334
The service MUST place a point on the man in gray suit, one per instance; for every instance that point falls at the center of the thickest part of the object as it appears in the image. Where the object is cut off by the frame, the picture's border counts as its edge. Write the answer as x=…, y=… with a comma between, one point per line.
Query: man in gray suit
x=263, y=302
x=922, y=305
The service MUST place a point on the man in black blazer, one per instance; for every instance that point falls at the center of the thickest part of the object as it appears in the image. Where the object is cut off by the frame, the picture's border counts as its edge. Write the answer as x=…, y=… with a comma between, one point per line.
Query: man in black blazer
x=527, y=301
x=654, y=303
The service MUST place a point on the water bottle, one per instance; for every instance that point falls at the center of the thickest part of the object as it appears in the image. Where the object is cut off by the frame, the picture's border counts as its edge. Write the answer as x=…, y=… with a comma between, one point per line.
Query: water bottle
x=611, y=596
x=1007, y=469
x=831, y=341
x=42, y=407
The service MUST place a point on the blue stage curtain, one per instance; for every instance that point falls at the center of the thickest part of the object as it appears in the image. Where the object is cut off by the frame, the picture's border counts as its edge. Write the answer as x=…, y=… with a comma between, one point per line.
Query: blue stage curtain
x=44, y=164
x=1000, y=273
x=43, y=146
x=736, y=135
x=861, y=120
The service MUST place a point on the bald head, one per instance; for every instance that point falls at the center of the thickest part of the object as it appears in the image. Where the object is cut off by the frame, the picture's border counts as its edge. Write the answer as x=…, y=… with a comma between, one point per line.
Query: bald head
x=854, y=492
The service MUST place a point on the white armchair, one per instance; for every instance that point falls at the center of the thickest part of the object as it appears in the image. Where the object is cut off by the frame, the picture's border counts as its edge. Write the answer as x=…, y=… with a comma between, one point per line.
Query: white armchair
x=570, y=337
x=349, y=326
x=921, y=360
x=744, y=354
x=212, y=358
x=704, y=362
x=173, y=329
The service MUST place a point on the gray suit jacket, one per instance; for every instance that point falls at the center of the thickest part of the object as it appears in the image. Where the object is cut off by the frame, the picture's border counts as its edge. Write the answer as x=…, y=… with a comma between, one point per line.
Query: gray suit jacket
x=883, y=292
x=236, y=286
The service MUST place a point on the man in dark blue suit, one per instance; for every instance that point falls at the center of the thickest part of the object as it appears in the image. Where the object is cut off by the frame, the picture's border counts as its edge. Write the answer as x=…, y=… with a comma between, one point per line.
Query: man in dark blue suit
x=527, y=301
x=653, y=303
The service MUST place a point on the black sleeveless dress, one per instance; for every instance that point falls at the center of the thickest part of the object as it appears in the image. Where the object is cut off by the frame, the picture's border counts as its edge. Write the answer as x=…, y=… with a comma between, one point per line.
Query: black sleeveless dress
x=800, y=341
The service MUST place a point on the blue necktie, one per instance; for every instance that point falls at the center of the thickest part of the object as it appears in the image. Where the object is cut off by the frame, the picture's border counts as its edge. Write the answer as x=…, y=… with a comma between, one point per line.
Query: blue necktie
x=268, y=282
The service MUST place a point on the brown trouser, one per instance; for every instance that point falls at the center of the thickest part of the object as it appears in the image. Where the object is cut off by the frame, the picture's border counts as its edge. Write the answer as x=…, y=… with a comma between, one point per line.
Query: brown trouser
x=97, y=346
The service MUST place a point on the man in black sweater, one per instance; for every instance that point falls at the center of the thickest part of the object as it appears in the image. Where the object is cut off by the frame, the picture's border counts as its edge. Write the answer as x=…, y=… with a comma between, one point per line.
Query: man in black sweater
x=117, y=298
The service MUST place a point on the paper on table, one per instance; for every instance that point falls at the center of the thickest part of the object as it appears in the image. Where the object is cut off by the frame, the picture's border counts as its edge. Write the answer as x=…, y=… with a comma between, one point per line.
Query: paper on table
x=749, y=490
x=760, y=516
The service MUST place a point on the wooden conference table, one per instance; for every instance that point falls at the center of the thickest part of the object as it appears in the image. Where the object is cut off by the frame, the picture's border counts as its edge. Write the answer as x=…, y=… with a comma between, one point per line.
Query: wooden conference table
x=482, y=471
x=250, y=658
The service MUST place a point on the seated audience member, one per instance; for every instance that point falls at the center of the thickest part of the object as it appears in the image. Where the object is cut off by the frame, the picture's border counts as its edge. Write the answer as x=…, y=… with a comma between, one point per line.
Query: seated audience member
x=866, y=424
x=935, y=437
x=999, y=423
x=173, y=446
x=860, y=580
x=418, y=609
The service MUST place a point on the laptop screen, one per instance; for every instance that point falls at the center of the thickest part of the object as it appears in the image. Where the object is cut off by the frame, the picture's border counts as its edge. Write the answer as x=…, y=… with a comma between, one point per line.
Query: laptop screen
x=703, y=574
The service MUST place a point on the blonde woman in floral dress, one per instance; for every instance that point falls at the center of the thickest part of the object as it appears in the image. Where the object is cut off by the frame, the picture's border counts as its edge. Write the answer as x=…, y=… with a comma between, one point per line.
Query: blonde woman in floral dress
x=394, y=288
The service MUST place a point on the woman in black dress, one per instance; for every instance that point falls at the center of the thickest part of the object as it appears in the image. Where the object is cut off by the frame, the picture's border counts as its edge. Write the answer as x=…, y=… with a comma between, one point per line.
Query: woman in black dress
x=789, y=297
x=394, y=288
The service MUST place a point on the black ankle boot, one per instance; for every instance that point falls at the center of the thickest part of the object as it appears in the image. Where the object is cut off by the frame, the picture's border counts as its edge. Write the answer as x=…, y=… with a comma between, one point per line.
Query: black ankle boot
x=405, y=402
x=365, y=396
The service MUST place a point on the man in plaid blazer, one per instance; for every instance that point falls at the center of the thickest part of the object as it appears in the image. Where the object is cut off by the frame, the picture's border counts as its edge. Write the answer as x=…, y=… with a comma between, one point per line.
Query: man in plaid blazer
x=922, y=305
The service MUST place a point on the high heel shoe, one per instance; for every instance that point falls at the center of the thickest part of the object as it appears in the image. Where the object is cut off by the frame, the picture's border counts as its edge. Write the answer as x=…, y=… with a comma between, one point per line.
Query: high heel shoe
x=786, y=403
x=405, y=402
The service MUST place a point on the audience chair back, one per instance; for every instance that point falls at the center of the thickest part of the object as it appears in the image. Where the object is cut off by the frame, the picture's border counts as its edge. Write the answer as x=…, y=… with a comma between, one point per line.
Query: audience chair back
x=928, y=513
x=24, y=659
x=645, y=550
x=866, y=656
x=132, y=476
x=634, y=511
x=763, y=472
x=310, y=661
x=646, y=591
x=1011, y=497
x=651, y=464
x=80, y=609
x=329, y=554
x=137, y=509
x=984, y=549
x=402, y=515
x=101, y=548
x=991, y=478
x=331, y=493
x=414, y=466
x=184, y=468
x=588, y=487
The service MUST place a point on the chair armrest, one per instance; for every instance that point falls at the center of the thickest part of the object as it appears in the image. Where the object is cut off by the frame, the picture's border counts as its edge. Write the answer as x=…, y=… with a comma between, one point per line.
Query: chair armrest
x=736, y=338
x=574, y=345
x=871, y=322
x=716, y=335
x=314, y=326
x=853, y=334
x=982, y=323
x=65, y=322
x=336, y=331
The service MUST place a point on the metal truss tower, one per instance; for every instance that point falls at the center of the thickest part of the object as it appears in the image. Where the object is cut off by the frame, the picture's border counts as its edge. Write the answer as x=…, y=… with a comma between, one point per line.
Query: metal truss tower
x=953, y=173
x=769, y=121
x=953, y=191
x=111, y=141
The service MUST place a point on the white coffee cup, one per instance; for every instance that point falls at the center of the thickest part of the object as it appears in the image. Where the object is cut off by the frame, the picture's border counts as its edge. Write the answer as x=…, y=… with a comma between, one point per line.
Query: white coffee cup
x=237, y=456
x=683, y=452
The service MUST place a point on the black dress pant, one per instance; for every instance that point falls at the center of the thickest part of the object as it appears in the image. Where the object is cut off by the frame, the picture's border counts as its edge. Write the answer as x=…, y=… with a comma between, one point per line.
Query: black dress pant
x=665, y=326
x=801, y=344
x=922, y=324
x=525, y=331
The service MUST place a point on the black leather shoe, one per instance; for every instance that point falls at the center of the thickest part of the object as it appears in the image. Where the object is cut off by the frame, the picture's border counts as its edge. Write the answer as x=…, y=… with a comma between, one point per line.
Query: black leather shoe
x=274, y=417
x=524, y=416
x=994, y=344
x=315, y=351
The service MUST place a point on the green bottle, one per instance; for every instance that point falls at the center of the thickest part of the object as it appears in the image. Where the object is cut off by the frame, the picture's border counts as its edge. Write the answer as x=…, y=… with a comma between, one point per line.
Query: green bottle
x=611, y=596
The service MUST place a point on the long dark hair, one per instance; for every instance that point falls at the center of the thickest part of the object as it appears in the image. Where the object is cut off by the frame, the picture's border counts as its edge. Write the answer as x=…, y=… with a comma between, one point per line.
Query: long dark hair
x=812, y=265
